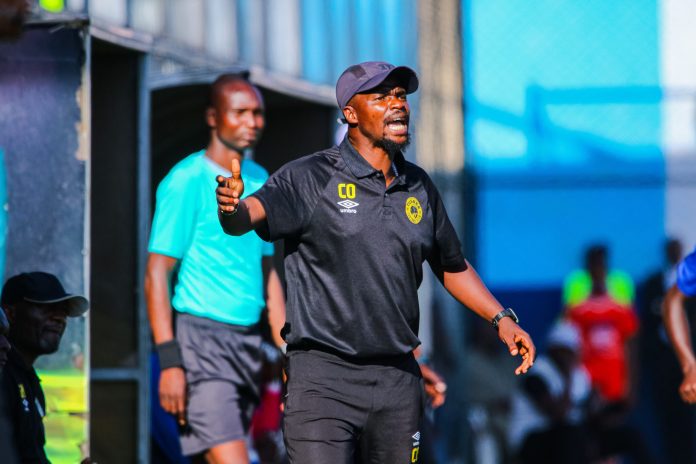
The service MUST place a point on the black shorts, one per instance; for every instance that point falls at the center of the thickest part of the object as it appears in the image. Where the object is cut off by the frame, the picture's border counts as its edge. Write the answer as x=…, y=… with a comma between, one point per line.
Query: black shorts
x=343, y=412
x=223, y=367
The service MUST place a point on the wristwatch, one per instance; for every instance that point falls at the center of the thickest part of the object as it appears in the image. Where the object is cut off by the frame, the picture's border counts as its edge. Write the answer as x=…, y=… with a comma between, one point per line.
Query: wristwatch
x=507, y=312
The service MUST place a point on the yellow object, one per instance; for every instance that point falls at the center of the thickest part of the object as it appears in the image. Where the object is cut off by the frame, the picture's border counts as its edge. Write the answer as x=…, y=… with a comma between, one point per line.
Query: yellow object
x=578, y=287
x=52, y=6
x=66, y=414
x=346, y=190
x=413, y=209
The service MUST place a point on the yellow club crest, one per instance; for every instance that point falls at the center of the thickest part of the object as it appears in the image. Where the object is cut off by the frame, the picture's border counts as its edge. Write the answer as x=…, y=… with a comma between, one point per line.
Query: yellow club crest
x=413, y=209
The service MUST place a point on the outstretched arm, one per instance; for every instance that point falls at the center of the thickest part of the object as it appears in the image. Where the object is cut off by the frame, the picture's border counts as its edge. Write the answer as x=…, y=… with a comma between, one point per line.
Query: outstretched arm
x=467, y=288
x=237, y=216
x=677, y=327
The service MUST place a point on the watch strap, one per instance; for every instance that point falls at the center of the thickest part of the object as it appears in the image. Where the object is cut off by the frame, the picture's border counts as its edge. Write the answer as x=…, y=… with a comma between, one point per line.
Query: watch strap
x=507, y=312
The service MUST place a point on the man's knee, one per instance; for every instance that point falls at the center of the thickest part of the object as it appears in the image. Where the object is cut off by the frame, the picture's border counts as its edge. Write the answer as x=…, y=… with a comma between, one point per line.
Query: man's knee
x=231, y=452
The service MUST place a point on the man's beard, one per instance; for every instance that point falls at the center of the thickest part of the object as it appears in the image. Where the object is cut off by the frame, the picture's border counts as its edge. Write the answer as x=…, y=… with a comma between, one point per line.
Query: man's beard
x=391, y=147
x=50, y=346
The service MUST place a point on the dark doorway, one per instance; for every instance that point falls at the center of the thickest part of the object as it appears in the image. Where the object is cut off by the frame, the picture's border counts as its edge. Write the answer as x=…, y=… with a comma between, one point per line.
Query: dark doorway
x=117, y=366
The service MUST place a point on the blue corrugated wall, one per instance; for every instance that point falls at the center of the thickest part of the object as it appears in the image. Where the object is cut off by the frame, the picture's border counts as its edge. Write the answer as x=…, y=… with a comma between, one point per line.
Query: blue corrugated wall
x=563, y=133
x=338, y=33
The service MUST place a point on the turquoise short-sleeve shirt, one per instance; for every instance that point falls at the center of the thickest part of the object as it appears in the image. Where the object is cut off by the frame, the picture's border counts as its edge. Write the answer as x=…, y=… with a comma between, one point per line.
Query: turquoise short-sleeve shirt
x=220, y=276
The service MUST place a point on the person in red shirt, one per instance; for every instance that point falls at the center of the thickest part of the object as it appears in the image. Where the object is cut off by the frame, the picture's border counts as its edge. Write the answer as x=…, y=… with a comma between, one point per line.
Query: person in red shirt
x=606, y=328
x=607, y=321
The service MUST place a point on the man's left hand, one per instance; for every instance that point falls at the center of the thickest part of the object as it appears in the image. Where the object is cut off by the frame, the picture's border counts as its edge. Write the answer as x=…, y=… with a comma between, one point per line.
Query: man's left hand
x=518, y=342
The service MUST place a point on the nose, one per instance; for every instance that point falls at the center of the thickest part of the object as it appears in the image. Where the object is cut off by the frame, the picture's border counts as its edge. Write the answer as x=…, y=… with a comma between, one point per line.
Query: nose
x=398, y=103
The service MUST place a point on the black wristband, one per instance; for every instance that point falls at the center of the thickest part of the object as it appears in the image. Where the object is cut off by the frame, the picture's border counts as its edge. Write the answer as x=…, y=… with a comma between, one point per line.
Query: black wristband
x=169, y=354
x=228, y=213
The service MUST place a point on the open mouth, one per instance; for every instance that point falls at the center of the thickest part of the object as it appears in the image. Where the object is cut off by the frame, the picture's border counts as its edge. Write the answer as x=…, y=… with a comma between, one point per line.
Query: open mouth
x=398, y=125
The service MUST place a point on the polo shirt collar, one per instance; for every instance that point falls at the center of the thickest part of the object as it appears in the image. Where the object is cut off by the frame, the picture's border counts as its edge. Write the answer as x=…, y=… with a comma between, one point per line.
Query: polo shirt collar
x=359, y=165
x=18, y=363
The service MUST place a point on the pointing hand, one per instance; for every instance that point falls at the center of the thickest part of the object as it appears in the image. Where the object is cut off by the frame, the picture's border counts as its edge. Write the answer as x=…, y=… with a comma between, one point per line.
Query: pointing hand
x=230, y=190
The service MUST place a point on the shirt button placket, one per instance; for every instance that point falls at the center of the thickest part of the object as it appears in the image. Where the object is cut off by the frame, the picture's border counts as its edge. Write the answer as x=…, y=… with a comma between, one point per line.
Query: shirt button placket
x=386, y=205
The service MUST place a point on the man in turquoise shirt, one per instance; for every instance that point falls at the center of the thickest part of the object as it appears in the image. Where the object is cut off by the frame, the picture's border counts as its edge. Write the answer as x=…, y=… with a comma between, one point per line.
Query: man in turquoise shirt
x=211, y=362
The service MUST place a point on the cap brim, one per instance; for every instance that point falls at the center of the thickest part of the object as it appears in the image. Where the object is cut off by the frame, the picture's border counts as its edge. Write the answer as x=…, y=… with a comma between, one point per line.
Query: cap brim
x=405, y=75
x=77, y=305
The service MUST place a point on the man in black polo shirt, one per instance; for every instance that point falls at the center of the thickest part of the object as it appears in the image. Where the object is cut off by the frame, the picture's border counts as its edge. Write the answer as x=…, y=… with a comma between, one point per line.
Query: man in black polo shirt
x=37, y=307
x=358, y=221
x=7, y=445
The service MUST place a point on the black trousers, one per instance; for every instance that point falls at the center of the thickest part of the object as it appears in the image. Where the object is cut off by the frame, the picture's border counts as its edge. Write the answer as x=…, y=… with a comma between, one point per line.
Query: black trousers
x=340, y=411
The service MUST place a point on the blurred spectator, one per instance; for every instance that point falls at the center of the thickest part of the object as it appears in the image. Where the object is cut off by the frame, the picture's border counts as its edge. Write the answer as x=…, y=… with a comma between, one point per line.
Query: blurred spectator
x=606, y=328
x=660, y=371
x=490, y=380
x=597, y=279
x=548, y=411
x=557, y=418
x=599, y=302
x=37, y=306
x=677, y=324
x=652, y=294
x=266, y=433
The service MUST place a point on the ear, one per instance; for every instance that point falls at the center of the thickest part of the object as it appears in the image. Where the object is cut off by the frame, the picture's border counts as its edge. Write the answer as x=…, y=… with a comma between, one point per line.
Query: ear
x=350, y=115
x=210, y=115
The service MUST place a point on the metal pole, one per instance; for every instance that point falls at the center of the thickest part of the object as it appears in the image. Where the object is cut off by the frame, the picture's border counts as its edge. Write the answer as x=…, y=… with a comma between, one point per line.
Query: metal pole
x=142, y=231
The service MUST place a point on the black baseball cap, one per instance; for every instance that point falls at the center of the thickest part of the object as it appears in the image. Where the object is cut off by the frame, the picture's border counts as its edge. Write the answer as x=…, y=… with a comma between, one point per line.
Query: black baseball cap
x=41, y=287
x=368, y=75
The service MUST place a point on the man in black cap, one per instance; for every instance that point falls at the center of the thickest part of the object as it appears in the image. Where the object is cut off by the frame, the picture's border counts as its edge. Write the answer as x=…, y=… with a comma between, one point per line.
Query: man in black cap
x=358, y=221
x=37, y=307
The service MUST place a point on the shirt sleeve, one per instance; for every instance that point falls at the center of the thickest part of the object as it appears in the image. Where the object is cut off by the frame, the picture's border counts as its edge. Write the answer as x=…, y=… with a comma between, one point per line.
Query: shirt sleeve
x=268, y=249
x=446, y=254
x=175, y=215
x=284, y=198
x=686, y=275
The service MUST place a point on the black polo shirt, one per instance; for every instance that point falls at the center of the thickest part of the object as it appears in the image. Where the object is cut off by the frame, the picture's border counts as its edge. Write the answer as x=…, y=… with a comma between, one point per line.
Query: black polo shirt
x=26, y=406
x=354, y=250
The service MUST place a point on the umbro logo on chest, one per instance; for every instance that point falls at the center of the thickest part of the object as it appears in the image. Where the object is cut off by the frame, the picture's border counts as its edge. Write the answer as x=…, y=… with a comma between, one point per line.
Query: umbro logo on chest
x=346, y=192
